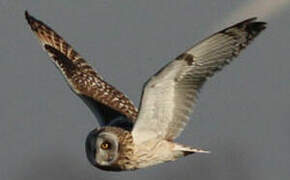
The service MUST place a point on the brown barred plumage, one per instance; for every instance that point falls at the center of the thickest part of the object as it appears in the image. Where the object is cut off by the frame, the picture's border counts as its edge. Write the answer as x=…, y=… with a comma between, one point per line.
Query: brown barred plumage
x=83, y=79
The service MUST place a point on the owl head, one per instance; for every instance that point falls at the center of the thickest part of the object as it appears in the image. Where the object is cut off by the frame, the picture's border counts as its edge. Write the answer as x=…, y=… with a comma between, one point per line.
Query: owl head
x=104, y=147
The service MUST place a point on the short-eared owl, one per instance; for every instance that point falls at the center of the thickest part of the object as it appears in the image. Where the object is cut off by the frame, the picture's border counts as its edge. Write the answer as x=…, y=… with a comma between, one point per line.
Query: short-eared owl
x=128, y=140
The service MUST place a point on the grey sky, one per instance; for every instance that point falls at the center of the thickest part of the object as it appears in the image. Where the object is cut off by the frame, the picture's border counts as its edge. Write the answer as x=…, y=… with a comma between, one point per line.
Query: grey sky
x=242, y=115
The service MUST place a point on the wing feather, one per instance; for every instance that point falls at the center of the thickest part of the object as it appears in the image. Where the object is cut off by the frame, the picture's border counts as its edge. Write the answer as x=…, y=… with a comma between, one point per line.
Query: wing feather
x=82, y=78
x=169, y=96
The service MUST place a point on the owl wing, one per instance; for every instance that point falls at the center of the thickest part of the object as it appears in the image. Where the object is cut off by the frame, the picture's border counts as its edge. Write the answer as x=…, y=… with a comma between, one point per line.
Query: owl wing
x=169, y=96
x=104, y=100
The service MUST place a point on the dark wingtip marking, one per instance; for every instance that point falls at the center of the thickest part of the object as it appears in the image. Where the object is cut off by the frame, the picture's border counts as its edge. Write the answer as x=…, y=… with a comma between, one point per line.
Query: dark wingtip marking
x=255, y=28
x=27, y=17
x=26, y=14
x=31, y=21
x=249, y=25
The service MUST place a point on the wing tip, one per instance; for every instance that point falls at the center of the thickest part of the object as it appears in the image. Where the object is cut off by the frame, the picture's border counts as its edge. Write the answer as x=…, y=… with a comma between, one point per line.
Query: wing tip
x=252, y=26
x=28, y=17
x=26, y=13
x=31, y=21
x=256, y=27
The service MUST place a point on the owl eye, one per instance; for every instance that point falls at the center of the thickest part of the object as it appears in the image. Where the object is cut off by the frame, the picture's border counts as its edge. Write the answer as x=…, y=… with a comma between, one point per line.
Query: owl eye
x=106, y=145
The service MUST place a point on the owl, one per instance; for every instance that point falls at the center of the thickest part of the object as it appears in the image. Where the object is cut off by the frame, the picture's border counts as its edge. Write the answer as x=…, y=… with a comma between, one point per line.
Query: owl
x=128, y=138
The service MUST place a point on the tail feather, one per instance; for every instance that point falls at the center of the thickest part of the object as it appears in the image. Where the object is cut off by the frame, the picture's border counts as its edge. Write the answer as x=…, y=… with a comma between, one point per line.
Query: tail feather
x=194, y=150
x=186, y=150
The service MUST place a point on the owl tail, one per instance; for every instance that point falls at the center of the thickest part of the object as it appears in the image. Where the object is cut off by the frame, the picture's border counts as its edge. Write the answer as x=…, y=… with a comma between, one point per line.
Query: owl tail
x=186, y=150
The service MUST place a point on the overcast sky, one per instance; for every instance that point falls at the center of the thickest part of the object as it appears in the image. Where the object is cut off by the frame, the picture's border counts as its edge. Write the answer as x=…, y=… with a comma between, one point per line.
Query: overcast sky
x=243, y=112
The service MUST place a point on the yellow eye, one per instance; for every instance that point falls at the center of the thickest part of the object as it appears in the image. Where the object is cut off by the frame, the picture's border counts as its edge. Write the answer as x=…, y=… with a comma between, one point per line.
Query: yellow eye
x=105, y=145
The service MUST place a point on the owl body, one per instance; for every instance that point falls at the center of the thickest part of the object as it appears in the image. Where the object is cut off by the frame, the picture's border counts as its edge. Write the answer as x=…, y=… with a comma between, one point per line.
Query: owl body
x=129, y=138
x=157, y=151
x=128, y=155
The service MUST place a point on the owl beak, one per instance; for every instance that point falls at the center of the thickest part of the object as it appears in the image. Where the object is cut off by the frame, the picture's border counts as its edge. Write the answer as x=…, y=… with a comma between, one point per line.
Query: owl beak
x=110, y=158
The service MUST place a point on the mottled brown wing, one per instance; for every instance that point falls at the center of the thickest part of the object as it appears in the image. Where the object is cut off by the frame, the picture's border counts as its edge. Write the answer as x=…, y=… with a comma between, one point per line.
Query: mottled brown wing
x=169, y=96
x=83, y=79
